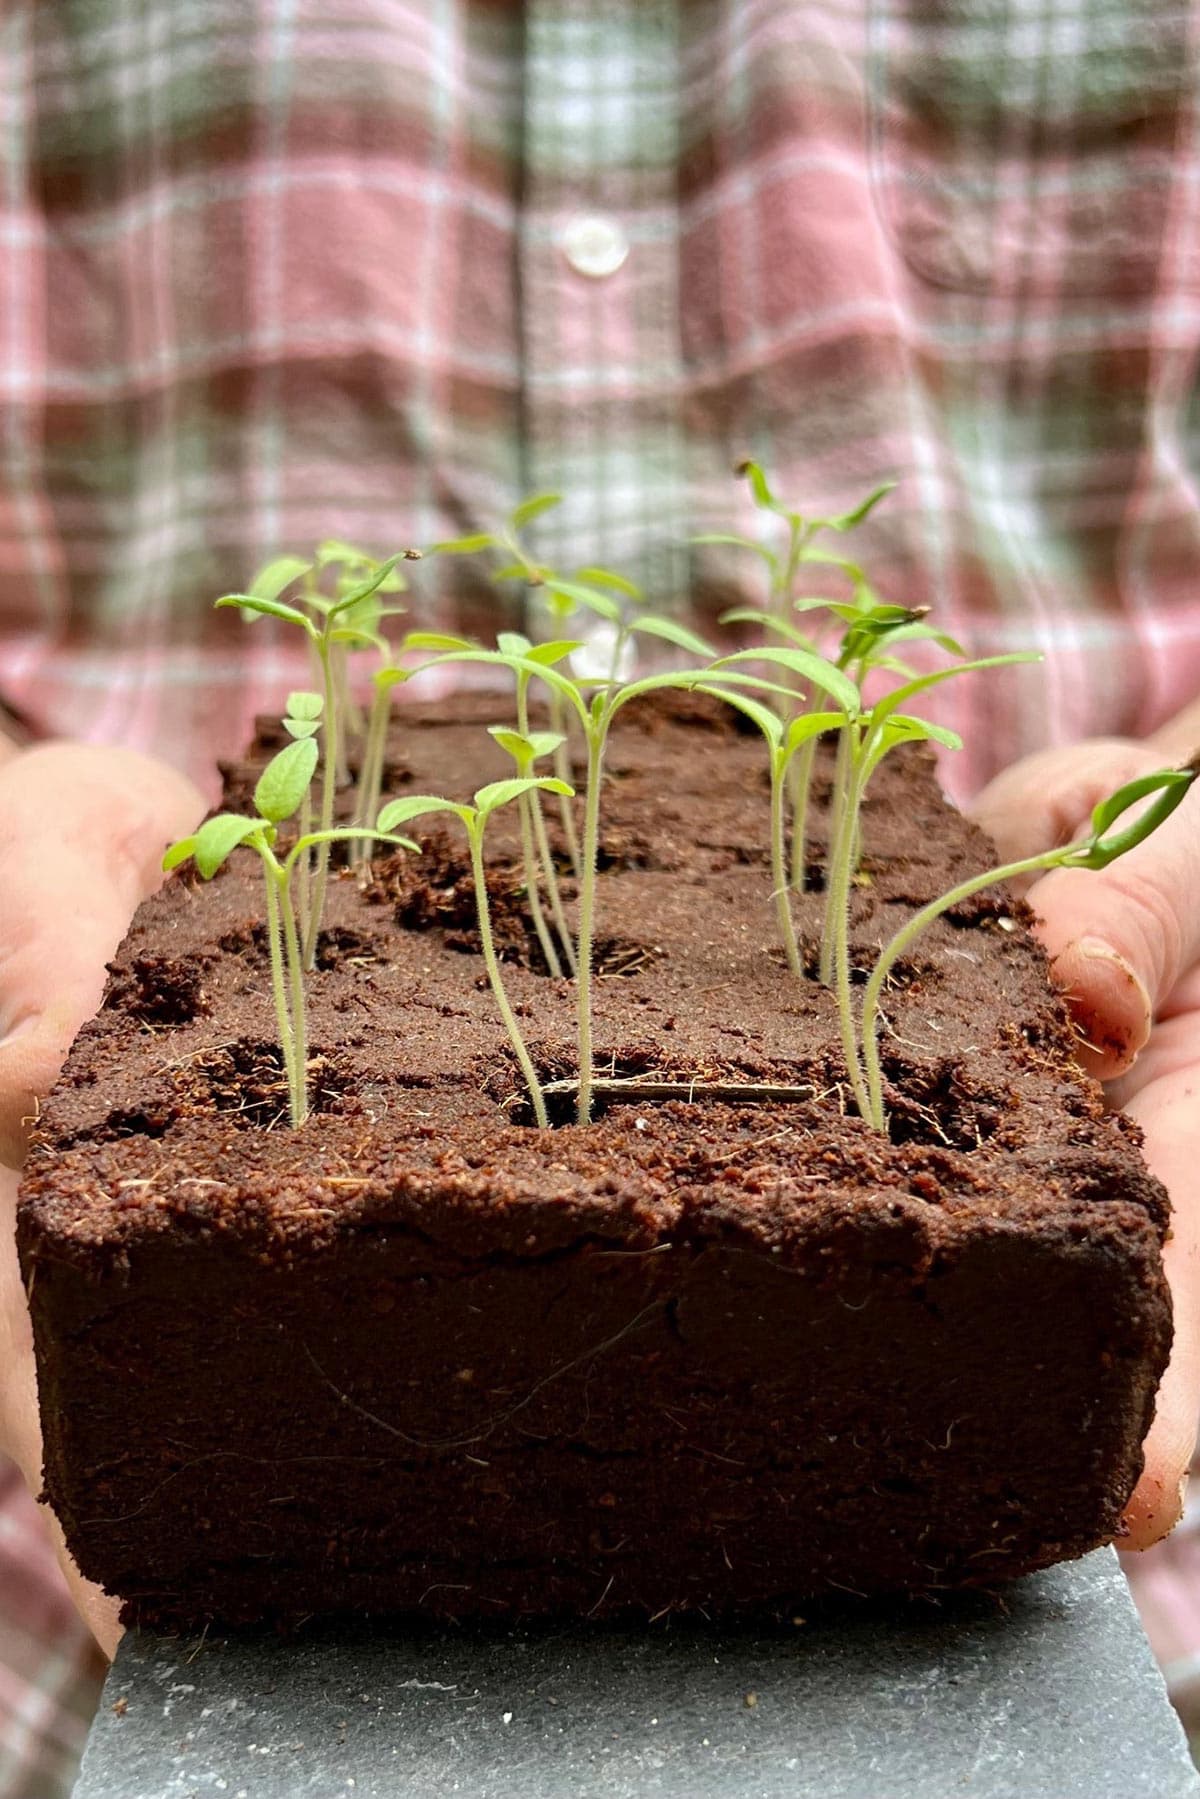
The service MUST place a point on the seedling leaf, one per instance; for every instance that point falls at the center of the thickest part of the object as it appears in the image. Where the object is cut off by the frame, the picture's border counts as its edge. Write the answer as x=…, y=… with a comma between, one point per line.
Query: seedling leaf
x=810, y=667
x=305, y=704
x=251, y=603
x=759, y=485
x=271, y=579
x=766, y=720
x=502, y=793
x=218, y=837
x=589, y=597
x=671, y=632
x=285, y=780
x=607, y=577
x=846, y=521
x=417, y=805
x=464, y=546
x=533, y=508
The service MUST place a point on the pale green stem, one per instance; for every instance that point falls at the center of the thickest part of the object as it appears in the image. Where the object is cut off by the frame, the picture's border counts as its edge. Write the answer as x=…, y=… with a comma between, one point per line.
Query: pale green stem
x=903, y=940
x=295, y=965
x=304, y=868
x=546, y=860
x=587, y=914
x=483, y=911
x=837, y=824
x=370, y=778
x=552, y=887
x=278, y=987
x=330, y=758
x=529, y=865
x=839, y=893
x=345, y=709
x=562, y=769
x=779, y=880
x=801, y=783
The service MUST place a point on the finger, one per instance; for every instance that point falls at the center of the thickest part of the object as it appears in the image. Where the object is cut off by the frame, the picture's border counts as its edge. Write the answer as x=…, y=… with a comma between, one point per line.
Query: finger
x=1120, y=939
x=1041, y=802
x=81, y=838
x=20, y=1431
x=1166, y=1110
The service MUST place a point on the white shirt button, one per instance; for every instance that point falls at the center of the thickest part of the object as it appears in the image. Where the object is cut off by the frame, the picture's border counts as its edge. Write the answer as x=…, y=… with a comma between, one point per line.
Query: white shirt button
x=594, y=245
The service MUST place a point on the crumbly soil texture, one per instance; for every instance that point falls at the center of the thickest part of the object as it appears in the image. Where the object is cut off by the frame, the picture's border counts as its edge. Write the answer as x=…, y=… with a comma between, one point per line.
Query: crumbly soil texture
x=708, y=1354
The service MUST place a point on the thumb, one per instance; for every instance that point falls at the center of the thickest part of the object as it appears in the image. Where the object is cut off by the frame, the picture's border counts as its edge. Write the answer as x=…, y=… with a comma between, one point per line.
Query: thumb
x=82, y=832
x=1120, y=938
x=1117, y=938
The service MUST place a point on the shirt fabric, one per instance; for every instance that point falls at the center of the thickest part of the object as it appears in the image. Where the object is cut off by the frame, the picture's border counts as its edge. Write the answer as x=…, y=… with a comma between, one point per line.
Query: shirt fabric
x=272, y=270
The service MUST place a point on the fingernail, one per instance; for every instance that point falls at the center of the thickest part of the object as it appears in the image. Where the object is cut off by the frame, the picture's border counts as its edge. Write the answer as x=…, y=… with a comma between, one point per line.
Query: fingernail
x=1118, y=1017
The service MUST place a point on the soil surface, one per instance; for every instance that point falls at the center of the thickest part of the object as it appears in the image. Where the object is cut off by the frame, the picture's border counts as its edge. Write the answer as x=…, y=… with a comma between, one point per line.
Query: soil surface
x=699, y=1355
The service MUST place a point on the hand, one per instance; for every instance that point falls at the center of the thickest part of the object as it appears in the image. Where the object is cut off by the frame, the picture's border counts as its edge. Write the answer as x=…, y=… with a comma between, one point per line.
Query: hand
x=82, y=832
x=1124, y=945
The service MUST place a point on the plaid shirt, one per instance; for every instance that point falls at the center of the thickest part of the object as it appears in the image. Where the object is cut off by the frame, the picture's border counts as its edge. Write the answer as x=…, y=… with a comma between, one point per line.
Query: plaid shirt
x=276, y=269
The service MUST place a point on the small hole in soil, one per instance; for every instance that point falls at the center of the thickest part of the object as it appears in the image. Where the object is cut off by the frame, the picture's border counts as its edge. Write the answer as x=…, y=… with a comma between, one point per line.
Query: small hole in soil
x=163, y=991
x=342, y=946
x=931, y=1107
x=247, y=1081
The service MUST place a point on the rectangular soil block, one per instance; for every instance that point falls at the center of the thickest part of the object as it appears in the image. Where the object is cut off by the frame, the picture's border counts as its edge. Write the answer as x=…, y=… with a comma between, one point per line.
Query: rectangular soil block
x=702, y=1355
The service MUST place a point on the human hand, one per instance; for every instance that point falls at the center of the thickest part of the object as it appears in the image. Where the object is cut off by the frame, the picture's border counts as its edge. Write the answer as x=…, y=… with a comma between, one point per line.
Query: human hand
x=82, y=832
x=1124, y=944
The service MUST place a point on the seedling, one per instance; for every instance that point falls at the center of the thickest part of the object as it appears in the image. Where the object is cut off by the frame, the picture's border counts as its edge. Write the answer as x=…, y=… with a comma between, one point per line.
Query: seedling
x=277, y=797
x=1102, y=845
x=303, y=719
x=474, y=818
x=526, y=749
x=325, y=637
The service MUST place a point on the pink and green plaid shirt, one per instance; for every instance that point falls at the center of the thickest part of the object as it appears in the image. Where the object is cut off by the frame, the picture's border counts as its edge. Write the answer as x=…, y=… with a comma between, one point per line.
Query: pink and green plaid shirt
x=272, y=270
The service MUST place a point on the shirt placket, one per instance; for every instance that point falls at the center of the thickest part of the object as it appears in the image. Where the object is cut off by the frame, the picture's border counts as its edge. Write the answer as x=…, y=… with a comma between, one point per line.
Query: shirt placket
x=599, y=287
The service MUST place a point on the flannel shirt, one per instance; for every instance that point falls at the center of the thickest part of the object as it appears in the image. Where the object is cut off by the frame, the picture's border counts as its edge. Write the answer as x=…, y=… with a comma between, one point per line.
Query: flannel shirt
x=277, y=269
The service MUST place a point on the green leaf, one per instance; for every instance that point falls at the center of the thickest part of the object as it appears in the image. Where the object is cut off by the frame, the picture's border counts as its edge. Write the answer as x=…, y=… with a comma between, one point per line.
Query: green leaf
x=588, y=597
x=526, y=748
x=561, y=684
x=502, y=793
x=512, y=643
x=759, y=485
x=548, y=654
x=846, y=521
x=671, y=632
x=304, y=704
x=384, y=679
x=336, y=549
x=365, y=589
x=892, y=702
x=181, y=851
x=686, y=680
x=766, y=720
x=435, y=640
x=810, y=667
x=273, y=577
x=418, y=805
x=346, y=834
x=828, y=559
x=910, y=729
x=285, y=780
x=301, y=727
x=464, y=546
x=533, y=508
x=747, y=615
x=607, y=577
x=812, y=724
x=740, y=543
x=359, y=640
x=1170, y=784
x=218, y=837
x=250, y=603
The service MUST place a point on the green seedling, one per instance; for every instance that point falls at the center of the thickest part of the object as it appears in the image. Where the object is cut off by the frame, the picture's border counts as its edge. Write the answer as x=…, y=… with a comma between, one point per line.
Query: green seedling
x=277, y=797
x=1101, y=846
x=303, y=719
x=474, y=819
x=527, y=749
x=594, y=716
x=325, y=634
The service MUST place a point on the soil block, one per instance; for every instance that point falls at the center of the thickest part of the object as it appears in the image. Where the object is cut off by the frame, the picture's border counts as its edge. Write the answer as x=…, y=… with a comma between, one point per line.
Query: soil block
x=713, y=1353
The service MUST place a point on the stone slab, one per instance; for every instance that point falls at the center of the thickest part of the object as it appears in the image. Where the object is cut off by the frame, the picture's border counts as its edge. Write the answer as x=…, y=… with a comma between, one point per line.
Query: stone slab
x=1045, y=1693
